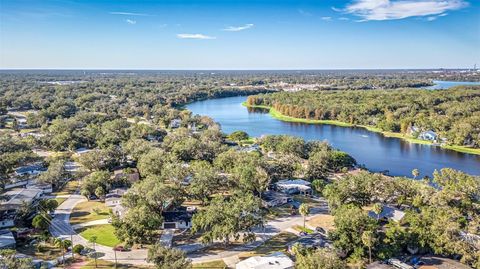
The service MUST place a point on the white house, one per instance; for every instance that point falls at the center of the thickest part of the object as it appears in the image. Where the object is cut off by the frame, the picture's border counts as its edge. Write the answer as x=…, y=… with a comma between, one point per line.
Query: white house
x=428, y=135
x=294, y=186
x=175, y=123
x=276, y=260
x=27, y=170
x=273, y=198
x=114, y=197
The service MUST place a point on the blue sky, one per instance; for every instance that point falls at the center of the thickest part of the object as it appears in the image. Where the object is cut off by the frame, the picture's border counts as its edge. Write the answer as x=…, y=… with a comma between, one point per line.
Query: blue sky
x=175, y=34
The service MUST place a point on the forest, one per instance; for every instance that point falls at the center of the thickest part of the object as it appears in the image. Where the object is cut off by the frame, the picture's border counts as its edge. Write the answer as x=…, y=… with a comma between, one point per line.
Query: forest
x=453, y=114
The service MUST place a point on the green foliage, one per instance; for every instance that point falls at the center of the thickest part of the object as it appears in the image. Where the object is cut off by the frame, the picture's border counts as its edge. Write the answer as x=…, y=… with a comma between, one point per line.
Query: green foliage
x=238, y=136
x=41, y=221
x=226, y=218
x=95, y=181
x=77, y=249
x=319, y=259
x=168, y=258
x=9, y=260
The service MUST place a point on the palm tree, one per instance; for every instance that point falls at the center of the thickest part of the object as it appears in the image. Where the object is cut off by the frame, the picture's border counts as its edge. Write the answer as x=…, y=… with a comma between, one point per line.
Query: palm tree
x=377, y=209
x=368, y=239
x=304, y=211
x=93, y=240
x=415, y=173
x=63, y=245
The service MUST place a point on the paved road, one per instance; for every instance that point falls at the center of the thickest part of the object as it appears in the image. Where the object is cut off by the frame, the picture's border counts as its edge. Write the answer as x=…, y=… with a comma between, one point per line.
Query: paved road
x=61, y=228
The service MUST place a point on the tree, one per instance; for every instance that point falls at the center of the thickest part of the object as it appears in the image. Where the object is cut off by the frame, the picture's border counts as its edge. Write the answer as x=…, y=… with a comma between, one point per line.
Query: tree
x=304, y=211
x=415, y=173
x=95, y=180
x=55, y=174
x=350, y=223
x=93, y=240
x=63, y=245
x=10, y=260
x=238, y=136
x=168, y=258
x=319, y=259
x=41, y=221
x=377, y=209
x=100, y=192
x=225, y=218
x=368, y=239
x=77, y=249
x=48, y=205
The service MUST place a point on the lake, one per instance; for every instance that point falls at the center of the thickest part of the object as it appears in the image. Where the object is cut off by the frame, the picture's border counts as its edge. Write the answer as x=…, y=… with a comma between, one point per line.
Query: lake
x=442, y=84
x=376, y=152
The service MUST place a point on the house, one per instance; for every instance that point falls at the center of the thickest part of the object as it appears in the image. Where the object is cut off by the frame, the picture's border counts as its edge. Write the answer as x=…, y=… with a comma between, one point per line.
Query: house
x=428, y=135
x=13, y=200
x=114, y=197
x=312, y=241
x=46, y=188
x=33, y=169
x=273, y=198
x=276, y=260
x=294, y=186
x=7, y=240
x=175, y=123
x=181, y=218
x=32, y=134
x=388, y=213
x=130, y=174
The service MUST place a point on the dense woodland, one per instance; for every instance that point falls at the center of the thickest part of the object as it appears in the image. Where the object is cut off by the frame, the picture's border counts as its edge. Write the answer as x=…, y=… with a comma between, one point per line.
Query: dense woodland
x=454, y=114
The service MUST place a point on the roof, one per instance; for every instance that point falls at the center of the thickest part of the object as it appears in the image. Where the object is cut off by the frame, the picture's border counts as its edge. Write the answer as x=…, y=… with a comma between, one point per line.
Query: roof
x=276, y=260
x=6, y=239
x=273, y=195
x=293, y=182
x=14, y=198
x=29, y=168
x=175, y=216
x=389, y=213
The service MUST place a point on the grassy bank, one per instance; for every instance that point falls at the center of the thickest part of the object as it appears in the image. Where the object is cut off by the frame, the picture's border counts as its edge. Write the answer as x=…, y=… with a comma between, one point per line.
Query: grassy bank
x=279, y=116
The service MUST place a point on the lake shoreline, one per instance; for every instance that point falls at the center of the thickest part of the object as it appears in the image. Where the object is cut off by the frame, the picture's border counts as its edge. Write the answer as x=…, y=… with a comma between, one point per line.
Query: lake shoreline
x=277, y=115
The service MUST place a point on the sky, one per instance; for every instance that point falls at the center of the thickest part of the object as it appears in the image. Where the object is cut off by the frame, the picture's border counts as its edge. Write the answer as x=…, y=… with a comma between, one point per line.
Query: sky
x=227, y=34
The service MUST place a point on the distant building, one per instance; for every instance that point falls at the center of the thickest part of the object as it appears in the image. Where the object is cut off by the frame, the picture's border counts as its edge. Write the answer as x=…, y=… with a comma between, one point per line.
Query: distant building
x=294, y=186
x=114, y=197
x=130, y=174
x=28, y=170
x=388, y=213
x=273, y=198
x=175, y=123
x=13, y=200
x=276, y=260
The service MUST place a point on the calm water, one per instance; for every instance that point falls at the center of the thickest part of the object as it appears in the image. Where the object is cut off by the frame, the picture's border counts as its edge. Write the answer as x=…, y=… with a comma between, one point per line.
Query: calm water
x=377, y=152
x=441, y=84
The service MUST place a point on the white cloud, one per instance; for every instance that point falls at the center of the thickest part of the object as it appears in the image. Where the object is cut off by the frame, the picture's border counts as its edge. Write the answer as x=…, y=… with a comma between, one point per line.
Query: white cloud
x=127, y=13
x=326, y=18
x=238, y=28
x=399, y=9
x=194, y=36
x=344, y=19
x=304, y=13
x=130, y=21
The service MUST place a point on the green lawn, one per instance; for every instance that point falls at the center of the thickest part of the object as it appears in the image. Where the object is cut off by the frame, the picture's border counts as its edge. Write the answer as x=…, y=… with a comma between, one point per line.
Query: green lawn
x=85, y=212
x=301, y=229
x=69, y=188
x=104, y=233
x=212, y=265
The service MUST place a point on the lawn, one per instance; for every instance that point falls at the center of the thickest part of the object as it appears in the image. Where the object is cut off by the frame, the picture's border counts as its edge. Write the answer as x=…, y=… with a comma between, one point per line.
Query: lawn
x=322, y=220
x=110, y=265
x=301, y=229
x=276, y=243
x=85, y=212
x=69, y=188
x=212, y=264
x=104, y=233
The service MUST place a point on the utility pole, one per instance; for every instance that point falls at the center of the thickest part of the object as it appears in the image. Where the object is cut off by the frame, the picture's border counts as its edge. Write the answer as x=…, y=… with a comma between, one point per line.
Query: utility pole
x=71, y=242
x=115, y=252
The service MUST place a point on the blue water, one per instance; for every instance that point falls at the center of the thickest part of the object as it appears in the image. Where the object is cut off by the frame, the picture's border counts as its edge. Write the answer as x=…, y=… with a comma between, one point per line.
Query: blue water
x=441, y=84
x=377, y=152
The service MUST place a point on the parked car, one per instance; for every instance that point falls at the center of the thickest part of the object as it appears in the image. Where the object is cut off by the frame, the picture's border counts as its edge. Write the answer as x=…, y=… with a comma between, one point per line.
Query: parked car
x=120, y=248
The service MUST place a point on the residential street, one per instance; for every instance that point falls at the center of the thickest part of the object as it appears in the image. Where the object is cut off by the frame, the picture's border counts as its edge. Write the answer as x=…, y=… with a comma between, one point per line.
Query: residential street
x=61, y=228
